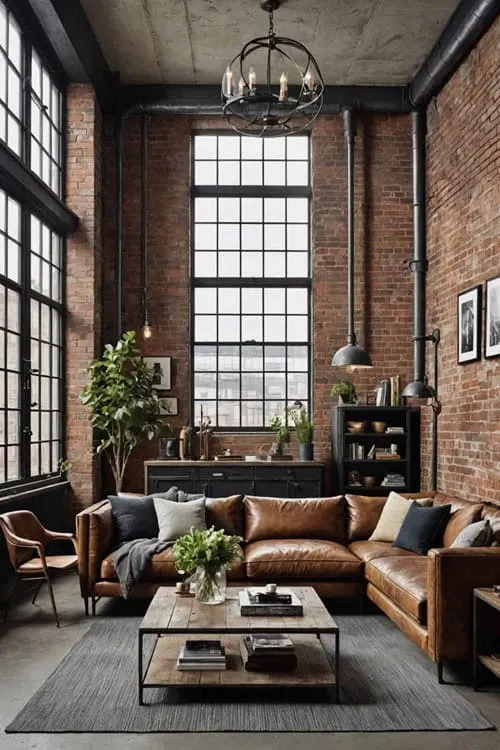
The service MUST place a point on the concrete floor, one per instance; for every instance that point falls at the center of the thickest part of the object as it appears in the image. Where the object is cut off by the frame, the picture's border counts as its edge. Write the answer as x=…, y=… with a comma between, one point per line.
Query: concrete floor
x=31, y=647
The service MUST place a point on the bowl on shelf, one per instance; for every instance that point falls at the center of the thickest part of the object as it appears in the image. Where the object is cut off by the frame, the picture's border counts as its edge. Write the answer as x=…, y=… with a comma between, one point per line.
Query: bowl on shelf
x=356, y=426
x=378, y=426
x=368, y=481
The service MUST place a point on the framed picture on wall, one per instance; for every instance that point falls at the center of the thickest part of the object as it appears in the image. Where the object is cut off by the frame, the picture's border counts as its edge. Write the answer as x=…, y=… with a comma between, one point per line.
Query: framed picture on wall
x=492, y=320
x=168, y=405
x=162, y=372
x=469, y=325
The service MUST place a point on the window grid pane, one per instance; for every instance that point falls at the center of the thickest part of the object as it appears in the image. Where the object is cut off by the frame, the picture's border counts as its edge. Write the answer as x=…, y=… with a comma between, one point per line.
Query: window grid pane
x=46, y=126
x=251, y=334
x=11, y=75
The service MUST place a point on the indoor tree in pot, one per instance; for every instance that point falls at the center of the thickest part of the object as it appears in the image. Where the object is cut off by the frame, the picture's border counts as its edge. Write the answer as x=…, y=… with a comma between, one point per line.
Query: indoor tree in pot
x=124, y=405
x=299, y=418
x=206, y=554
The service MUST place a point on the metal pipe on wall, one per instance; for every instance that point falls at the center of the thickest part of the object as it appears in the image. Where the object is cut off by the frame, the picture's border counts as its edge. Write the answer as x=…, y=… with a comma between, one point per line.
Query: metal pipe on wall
x=144, y=221
x=349, y=134
x=419, y=263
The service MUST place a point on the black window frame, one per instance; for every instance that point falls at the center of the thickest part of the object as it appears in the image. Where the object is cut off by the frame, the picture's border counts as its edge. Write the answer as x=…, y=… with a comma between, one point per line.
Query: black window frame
x=242, y=191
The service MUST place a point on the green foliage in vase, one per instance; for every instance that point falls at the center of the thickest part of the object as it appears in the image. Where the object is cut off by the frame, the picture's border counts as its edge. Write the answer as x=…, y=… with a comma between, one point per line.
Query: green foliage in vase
x=299, y=417
x=208, y=548
x=345, y=389
x=123, y=403
x=279, y=427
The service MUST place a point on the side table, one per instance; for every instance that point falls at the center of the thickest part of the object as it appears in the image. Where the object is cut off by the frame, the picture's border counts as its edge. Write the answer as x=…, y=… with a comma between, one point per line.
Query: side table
x=486, y=632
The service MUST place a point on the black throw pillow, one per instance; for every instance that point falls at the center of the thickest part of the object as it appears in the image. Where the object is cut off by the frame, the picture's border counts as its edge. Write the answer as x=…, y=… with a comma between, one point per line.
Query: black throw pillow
x=134, y=518
x=422, y=528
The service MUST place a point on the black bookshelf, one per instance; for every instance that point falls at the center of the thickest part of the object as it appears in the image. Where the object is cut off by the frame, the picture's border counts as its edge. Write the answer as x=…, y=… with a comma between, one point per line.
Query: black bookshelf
x=360, y=452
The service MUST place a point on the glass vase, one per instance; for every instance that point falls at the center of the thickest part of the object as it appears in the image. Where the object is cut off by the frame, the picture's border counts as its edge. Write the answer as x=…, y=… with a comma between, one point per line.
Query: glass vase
x=210, y=584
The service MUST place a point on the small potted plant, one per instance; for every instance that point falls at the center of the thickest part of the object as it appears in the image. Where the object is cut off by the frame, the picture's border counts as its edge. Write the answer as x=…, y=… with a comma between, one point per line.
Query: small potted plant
x=301, y=421
x=280, y=429
x=345, y=391
x=167, y=442
x=206, y=554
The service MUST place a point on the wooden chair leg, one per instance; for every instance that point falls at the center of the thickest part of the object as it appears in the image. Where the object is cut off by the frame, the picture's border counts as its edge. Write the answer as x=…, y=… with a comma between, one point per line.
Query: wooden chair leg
x=51, y=592
x=37, y=590
x=86, y=605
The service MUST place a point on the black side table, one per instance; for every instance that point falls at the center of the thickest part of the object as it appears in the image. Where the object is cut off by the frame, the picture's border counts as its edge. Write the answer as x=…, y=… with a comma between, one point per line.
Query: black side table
x=486, y=633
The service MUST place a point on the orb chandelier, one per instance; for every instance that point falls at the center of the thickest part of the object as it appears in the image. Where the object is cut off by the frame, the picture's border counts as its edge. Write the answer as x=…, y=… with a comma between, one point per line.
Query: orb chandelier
x=273, y=87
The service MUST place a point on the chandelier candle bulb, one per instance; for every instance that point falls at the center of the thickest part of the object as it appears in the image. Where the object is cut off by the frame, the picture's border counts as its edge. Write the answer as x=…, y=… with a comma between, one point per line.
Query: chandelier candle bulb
x=283, y=88
x=241, y=87
x=309, y=80
x=228, y=82
x=252, y=79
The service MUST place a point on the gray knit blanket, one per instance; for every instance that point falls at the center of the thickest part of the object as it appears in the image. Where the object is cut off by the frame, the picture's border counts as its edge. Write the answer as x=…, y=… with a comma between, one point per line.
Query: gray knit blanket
x=133, y=559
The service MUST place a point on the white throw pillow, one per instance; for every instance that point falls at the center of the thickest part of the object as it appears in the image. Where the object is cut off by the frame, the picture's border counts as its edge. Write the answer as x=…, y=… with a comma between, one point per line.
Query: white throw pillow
x=176, y=519
x=391, y=519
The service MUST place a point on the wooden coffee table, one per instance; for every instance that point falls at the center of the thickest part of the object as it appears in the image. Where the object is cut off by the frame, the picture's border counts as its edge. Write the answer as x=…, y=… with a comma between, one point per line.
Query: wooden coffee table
x=177, y=618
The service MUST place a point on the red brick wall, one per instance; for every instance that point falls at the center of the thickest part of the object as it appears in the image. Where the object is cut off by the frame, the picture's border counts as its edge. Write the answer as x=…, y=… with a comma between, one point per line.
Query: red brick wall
x=83, y=285
x=463, y=237
x=383, y=242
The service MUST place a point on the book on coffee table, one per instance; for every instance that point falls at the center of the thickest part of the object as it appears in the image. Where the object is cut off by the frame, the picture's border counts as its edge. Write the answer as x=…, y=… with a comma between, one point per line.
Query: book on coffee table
x=251, y=607
x=267, y=660
x=201, y=655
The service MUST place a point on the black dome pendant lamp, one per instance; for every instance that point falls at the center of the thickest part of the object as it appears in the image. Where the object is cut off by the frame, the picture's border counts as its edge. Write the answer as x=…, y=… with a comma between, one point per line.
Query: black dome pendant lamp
x=351, y=355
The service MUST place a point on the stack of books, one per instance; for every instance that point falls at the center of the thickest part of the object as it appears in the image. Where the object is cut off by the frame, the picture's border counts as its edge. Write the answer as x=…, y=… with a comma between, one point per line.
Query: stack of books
x=273, y=652
x=257, y=602
x=381, y=454
x=395, y=430
x=201, y=655
x=393, y=480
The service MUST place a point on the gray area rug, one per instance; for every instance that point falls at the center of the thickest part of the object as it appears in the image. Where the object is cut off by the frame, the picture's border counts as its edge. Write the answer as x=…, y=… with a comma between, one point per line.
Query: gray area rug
x=387, y=684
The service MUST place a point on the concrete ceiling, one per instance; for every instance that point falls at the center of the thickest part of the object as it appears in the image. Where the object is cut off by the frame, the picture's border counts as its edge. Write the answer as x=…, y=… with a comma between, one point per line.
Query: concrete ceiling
x=191, y=41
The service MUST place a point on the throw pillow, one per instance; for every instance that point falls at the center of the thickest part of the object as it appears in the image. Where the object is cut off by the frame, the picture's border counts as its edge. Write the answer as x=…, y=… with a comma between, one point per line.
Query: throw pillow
x=422, y=528
x=459, y=520
x=477, y=534
x=393, y=514
x=133, y=517
x=176, y=519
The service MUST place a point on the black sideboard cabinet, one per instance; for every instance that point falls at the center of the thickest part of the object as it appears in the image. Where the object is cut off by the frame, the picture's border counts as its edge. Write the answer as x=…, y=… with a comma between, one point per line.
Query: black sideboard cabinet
x=350, y=449
x=220, y=479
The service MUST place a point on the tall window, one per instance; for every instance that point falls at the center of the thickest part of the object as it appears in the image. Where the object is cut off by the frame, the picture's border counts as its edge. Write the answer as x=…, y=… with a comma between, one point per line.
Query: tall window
x=30, y=104
x=251, y=277
x=30, y=345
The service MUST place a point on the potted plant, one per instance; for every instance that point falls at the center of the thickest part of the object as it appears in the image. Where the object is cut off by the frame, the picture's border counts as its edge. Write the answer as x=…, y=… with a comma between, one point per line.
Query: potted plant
x=345, y=391
x=299, y=418
x=123, y=403
x=167, y=442
x=279, y=427
x=206, y=554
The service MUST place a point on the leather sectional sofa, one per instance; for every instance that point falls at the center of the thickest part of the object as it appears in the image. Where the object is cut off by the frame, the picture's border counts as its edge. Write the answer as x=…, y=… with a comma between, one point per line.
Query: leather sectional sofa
x=324, y=543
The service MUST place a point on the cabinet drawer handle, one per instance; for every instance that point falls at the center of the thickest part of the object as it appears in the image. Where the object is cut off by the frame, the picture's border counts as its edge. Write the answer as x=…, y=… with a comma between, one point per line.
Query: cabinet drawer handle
x=217, y=474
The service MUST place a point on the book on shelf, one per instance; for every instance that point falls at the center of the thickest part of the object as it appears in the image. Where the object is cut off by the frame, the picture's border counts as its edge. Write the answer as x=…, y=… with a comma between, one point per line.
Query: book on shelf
x=371, y=452
x=395, y=430
x=387, y=456
x=279, y=457
x=265, y=643
x=395, y=383
x=201, y=655
x=274, y=661
x=251, y=607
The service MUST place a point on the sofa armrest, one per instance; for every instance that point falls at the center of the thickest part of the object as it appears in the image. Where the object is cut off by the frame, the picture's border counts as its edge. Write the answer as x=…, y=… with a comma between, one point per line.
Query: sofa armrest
x=94, y=531
x=452, y=575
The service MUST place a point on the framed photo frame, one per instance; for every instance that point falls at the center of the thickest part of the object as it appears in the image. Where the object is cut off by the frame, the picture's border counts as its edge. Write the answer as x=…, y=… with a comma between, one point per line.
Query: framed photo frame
x=492, y=319
x=469, y=325
x=169, y=406
x=162, y=372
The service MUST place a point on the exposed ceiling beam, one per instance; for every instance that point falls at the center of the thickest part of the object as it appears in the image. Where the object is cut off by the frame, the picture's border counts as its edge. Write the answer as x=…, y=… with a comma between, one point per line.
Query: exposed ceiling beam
x=192, y=99
x=466, y=26
x=74, y=41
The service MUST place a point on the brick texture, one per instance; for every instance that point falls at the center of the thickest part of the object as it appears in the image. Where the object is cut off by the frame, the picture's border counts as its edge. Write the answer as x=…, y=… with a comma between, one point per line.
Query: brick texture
x=383, y=242
x=83, y=285
x=463, y=235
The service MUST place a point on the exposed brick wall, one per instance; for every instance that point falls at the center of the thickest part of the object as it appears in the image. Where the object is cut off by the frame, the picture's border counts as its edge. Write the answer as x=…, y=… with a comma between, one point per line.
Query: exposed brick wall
x=463, y=237
x=83, y=286
x=383, y=242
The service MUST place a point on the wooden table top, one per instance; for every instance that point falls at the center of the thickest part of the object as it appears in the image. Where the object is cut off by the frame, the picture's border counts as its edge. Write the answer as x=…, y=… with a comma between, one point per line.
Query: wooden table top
x=171, y=613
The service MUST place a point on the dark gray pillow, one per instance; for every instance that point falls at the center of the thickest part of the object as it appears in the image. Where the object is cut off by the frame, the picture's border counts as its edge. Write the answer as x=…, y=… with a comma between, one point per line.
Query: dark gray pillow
x=133, y=517
x=176, y=519
x=477, y=534
x=422, y=528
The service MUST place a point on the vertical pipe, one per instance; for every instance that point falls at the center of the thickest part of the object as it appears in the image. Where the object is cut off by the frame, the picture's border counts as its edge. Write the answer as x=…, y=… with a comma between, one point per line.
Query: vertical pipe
x=144, y=218
x=419, y=263
x=119, y=230
x=349, y=132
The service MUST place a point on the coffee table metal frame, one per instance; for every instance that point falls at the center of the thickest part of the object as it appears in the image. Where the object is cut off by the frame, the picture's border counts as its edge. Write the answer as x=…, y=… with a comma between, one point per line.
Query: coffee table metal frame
x=163, y=606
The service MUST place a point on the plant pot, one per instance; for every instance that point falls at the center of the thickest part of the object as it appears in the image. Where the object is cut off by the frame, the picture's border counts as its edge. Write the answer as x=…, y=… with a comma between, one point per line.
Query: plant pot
x=306, y=451
x=210, y=585
x=167, y=447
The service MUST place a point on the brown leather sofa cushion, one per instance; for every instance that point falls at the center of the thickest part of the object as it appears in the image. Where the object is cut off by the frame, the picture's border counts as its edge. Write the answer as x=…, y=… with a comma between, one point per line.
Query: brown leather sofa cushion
x=367, y=550
x=303, y=518
x=364, y=511
x=225, y=513
x=404, y=580
x=458, y=520
x=163, y=568
x=301, y=559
